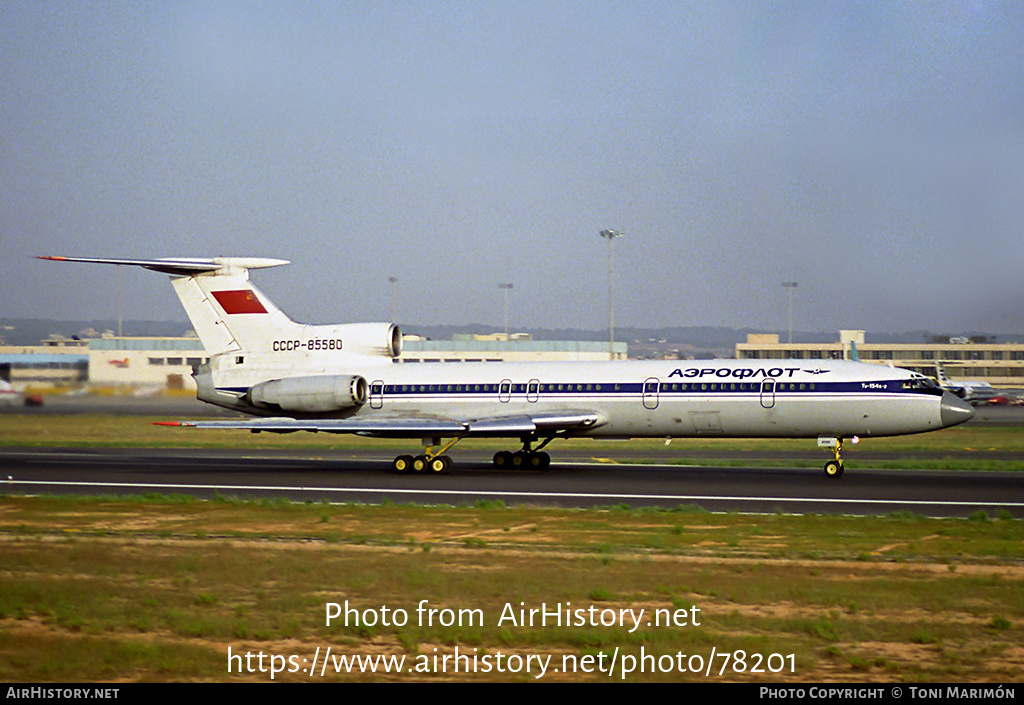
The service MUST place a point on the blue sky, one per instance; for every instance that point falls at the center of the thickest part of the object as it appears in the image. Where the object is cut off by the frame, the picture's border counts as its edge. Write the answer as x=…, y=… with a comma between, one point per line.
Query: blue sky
x=871, y=151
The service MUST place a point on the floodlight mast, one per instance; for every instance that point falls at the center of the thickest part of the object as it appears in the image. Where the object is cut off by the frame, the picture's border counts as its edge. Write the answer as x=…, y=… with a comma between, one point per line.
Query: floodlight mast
x=507, y=288
x=610, y=235
x=789, y=286
x=393, y=281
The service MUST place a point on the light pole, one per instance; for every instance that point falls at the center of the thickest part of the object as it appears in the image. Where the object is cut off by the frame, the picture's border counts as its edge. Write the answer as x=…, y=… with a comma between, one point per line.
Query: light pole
x=507, y=288
x=789, y=286
x=610, y=236
x=393, y=281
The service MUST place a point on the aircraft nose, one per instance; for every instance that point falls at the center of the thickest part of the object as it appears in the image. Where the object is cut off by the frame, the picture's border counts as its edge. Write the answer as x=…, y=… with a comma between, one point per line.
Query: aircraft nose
x=954, y=410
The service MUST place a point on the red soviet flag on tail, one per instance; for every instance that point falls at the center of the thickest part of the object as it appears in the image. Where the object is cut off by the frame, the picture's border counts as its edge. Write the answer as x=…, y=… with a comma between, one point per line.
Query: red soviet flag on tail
x=238, y=301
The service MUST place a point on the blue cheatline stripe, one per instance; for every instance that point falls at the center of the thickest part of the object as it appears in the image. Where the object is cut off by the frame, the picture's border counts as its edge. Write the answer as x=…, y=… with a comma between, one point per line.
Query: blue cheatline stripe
x=665, y=389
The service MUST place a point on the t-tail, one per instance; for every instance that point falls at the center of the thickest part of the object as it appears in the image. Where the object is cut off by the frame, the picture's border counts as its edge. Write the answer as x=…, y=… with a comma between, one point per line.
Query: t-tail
x=248, y=338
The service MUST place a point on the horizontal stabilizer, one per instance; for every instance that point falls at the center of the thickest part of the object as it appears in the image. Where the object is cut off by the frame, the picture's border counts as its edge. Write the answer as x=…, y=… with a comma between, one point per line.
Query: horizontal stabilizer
x=182, y=266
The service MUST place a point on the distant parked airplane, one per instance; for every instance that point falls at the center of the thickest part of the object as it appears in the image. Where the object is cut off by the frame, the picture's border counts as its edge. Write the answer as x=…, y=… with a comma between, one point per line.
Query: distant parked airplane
x=971, y=392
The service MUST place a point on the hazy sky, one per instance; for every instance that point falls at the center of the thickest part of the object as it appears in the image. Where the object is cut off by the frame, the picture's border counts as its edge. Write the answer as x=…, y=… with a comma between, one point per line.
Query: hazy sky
x=871, y=151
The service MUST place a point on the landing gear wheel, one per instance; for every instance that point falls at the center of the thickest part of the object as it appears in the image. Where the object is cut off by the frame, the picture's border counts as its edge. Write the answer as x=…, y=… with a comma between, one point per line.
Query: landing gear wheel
x=403, y=464
x=539, y=460
x=834, y=468
x=502, y=459
x=439, y=464
x=419, y=463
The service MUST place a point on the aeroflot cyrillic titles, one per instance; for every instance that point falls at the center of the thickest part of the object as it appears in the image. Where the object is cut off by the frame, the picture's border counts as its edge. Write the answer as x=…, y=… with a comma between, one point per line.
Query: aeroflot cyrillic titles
x=740, y=372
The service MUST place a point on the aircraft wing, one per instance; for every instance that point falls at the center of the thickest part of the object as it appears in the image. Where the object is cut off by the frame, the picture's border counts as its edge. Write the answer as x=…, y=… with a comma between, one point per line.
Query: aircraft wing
x=543, y=423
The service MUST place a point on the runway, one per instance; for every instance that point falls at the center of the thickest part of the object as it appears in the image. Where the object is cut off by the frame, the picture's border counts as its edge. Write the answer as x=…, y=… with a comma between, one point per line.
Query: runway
x=573, y=481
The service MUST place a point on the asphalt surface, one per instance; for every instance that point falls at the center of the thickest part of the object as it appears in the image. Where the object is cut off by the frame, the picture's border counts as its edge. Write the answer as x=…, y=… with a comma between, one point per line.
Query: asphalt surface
x=347, y=477
x=583, y=474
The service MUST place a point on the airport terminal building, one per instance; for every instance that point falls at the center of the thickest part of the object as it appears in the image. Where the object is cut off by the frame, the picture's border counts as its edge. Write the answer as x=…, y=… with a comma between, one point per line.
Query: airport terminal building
x=974, y=359
x=499, y=348
x=62, y=362
x=156, y=362
x=167, y=362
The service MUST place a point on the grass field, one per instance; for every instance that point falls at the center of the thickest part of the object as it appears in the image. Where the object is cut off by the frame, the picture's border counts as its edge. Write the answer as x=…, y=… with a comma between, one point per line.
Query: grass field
x=166, y=588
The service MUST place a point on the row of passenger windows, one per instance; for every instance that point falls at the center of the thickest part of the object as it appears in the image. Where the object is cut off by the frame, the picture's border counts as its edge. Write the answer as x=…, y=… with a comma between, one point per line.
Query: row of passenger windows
x=534, y=388
x=738, y=387
x=531, y=388
x=884, y=354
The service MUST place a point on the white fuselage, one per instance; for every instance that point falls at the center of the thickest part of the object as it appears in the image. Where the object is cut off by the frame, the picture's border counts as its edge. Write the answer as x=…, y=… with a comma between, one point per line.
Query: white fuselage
x=737, y=398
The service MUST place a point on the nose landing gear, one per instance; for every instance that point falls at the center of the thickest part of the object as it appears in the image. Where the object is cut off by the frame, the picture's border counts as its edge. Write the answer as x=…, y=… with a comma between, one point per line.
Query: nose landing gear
x=833, y=468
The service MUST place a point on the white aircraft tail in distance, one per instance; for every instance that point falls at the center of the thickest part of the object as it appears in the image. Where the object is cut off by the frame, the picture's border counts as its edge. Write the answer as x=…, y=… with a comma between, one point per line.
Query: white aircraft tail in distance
x=972, y=392
x=9, y=396
x=347, y=378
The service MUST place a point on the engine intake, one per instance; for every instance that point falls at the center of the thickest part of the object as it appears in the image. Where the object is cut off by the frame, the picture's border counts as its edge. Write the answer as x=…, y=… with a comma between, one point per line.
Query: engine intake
x=317, y=394
x=374, y=339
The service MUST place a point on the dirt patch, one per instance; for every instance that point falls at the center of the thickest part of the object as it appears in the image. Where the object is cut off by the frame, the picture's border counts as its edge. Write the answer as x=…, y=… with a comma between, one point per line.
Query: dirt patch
x=190, y=583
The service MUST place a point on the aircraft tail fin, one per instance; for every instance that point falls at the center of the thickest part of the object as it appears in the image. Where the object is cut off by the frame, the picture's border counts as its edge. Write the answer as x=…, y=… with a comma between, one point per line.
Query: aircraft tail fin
x=227, y=311
x=854, y=355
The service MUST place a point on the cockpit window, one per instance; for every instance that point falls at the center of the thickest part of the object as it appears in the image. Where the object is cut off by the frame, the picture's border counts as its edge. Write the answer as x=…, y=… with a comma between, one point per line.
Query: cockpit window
x=921, y=384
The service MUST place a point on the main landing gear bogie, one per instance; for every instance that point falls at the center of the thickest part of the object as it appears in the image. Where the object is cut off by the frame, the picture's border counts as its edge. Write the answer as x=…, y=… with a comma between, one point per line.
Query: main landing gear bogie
x=429, y=462
x=422, y=464
x=530, y=459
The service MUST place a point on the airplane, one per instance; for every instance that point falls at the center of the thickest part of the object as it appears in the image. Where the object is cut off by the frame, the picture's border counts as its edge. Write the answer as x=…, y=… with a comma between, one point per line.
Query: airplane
x=9, y=396
x=971, y=392
x=346, y=378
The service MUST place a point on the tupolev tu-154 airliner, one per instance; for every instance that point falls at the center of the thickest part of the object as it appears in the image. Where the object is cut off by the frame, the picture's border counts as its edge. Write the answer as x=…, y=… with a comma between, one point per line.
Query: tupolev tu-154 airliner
x=346, y=379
